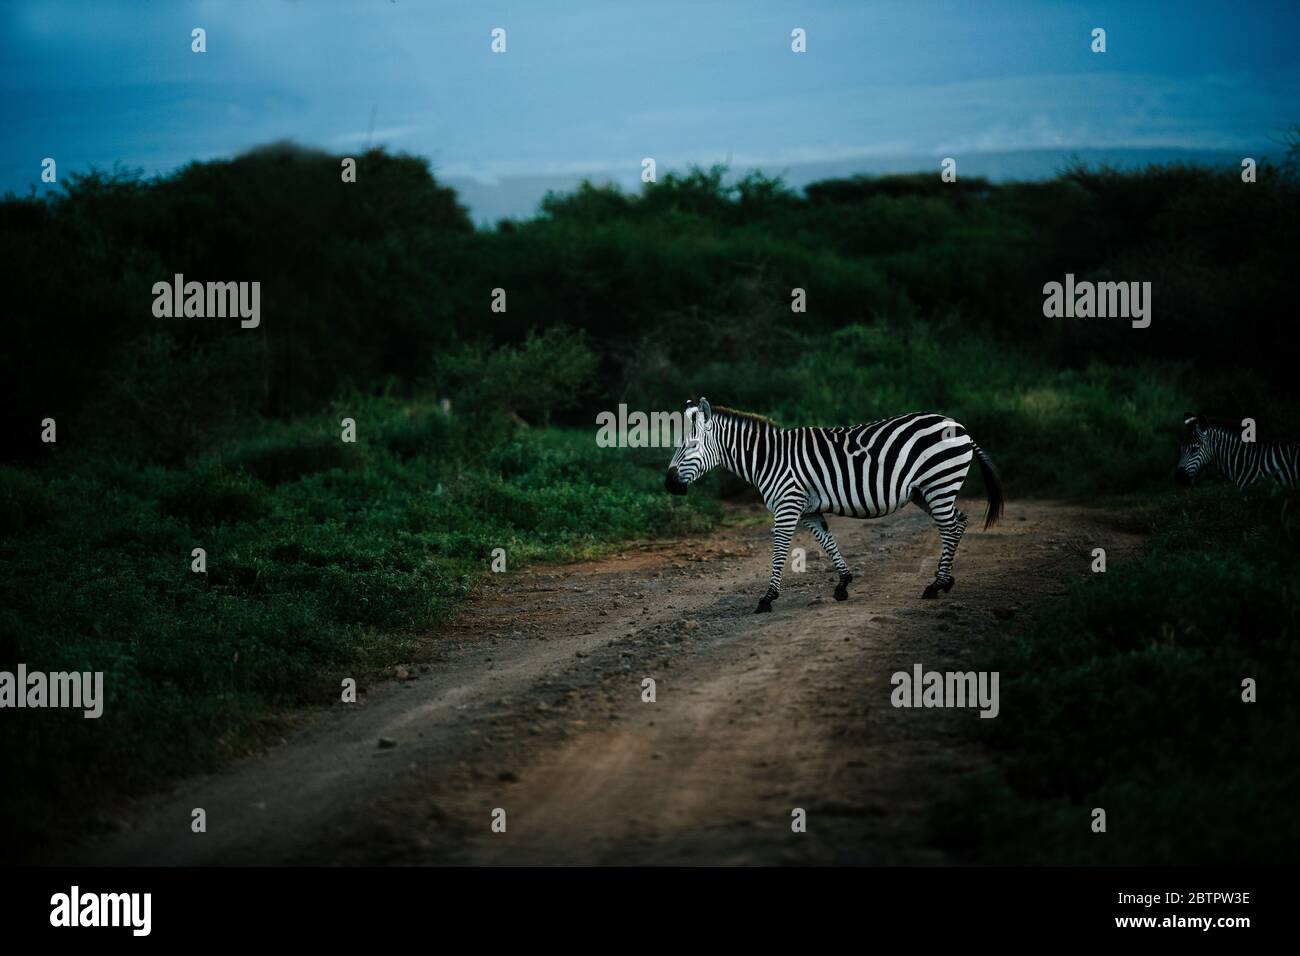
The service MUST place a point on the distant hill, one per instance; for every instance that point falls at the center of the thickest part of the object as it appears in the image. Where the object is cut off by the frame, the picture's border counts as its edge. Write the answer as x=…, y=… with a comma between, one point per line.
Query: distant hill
x=517, y=197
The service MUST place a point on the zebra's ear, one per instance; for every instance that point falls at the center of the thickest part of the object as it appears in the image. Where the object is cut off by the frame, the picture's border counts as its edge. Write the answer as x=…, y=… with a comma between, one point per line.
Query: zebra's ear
x=706, y=409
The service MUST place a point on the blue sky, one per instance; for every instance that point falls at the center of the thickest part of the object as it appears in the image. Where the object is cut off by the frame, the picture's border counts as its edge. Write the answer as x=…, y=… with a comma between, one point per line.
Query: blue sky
x=592, y=87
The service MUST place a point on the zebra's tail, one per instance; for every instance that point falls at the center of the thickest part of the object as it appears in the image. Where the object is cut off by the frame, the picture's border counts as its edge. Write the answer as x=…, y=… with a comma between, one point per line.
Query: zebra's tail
x=992, y=487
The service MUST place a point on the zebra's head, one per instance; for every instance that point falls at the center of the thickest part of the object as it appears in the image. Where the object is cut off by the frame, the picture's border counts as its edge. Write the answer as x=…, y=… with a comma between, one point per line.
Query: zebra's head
x=699, y=452
x=1191, y=454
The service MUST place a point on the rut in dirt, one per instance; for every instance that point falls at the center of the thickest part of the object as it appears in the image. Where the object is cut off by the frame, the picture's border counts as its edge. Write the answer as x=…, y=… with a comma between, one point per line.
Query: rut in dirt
x=532, y=704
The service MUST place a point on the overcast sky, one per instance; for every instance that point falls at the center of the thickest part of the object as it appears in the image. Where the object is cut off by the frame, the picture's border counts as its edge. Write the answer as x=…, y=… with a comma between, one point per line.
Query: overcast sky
x=592, y=86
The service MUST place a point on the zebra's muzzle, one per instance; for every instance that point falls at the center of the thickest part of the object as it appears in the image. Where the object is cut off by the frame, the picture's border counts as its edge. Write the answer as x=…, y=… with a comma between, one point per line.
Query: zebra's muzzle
x=674, y=484
x=1182, y=478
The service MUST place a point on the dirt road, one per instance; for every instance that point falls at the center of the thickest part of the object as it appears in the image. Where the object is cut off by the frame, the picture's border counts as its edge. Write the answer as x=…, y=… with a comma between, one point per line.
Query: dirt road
x=532, y=703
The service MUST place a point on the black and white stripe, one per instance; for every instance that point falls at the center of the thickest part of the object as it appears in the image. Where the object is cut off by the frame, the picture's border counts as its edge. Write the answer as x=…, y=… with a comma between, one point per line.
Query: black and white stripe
x=860, y=471
x=1243, y=462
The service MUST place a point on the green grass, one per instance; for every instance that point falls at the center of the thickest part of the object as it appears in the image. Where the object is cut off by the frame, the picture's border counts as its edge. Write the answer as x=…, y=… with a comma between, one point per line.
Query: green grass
x=1126, y=695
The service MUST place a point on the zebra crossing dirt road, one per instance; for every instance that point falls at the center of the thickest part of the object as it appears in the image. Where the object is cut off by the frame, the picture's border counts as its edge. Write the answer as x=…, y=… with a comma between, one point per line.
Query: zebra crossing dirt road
x=532, y=703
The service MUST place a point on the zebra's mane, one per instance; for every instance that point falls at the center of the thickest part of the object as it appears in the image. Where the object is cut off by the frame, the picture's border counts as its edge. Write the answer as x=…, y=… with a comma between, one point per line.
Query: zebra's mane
x=1222, y=424
x=1225, y=427
x=747, y=416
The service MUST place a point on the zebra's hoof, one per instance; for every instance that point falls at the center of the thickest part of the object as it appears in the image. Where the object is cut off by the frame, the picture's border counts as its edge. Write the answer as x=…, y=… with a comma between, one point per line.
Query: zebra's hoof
x=764, y=607
x=935, y=588
x=841, y=593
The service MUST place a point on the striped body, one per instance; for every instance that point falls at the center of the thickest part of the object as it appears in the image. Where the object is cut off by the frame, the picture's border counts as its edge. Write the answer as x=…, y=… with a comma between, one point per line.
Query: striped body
x=860, y=471
x=1242, y=462
x=864, y=471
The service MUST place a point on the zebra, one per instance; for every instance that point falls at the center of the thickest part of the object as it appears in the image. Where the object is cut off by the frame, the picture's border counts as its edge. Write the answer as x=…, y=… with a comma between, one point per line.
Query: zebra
x=861, y=471
x=1243, y=462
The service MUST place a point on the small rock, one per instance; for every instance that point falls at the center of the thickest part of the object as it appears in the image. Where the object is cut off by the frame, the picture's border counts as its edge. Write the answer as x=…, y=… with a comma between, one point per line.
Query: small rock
x=1004, y=613
x=387, y=743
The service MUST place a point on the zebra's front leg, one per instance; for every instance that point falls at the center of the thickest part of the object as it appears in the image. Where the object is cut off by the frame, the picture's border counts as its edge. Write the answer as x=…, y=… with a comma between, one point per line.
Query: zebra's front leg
x=817, y=525
x=784, y=521
x=951, y=528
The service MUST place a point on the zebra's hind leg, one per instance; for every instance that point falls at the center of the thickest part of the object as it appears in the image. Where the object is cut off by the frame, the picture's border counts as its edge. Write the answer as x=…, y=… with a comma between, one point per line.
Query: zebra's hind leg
x=822, y=532
x=952, y=525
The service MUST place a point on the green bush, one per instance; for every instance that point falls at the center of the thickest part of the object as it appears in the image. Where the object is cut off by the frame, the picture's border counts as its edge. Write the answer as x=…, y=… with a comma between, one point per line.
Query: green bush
x=211, y=495
x=289, y=454
x=25, y=503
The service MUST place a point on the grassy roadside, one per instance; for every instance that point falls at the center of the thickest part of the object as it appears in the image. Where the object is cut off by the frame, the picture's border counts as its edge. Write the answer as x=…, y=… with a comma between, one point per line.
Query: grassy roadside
x=1127, y=695
x=324, y=560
